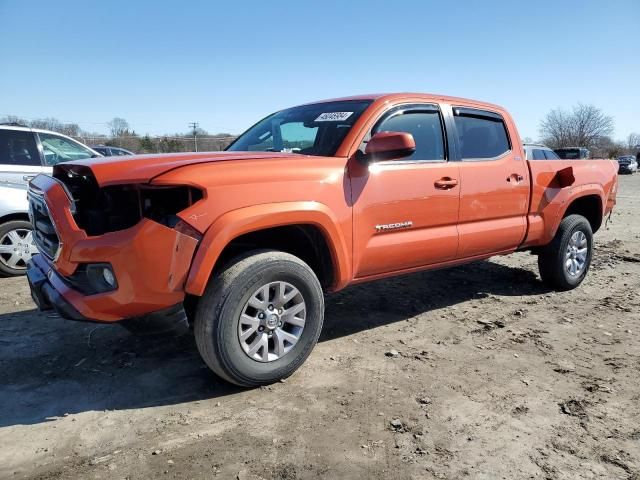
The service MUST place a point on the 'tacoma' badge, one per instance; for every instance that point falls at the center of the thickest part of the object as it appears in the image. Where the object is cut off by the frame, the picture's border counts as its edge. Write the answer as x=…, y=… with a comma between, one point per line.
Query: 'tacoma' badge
x=393, y=226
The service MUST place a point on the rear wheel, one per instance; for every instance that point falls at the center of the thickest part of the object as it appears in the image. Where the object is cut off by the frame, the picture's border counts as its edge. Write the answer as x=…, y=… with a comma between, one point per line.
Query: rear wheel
x=16, y=247
x=259, y=318
x=564, y=263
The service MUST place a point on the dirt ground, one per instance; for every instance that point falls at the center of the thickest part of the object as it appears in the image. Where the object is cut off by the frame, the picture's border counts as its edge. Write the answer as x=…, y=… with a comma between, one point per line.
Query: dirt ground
x=474, y=372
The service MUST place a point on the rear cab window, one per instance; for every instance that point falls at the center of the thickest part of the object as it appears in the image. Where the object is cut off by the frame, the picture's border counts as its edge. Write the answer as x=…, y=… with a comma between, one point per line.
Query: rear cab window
x=482, y=135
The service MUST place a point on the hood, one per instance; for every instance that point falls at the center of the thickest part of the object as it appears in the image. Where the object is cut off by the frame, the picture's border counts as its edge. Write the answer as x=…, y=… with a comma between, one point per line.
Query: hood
x=143, y=168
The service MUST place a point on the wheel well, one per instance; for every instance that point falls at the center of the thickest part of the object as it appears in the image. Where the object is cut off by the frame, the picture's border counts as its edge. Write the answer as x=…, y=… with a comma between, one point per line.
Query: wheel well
x=14, y=216
x=590, y=207
x=306, y=242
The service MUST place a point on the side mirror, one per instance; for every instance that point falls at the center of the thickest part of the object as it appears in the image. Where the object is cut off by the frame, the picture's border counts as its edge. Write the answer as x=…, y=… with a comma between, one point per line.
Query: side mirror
x=390, y=145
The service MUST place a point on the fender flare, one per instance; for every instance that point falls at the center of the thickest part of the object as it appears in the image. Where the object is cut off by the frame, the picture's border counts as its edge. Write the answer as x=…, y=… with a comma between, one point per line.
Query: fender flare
x=232, y=224
x=590, y=189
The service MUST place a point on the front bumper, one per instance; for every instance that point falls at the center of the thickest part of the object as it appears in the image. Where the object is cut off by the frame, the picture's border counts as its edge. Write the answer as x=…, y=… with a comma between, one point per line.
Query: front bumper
x=46, y=297
x=150, y=262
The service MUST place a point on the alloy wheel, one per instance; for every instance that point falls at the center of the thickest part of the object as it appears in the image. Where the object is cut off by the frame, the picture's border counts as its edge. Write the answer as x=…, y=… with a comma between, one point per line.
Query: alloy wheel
x=576, y=254
x=272, y=321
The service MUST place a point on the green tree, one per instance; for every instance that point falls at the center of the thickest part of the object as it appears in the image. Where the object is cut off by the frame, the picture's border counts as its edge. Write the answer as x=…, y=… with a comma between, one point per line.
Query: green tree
x=146, y=144
x=170, y=145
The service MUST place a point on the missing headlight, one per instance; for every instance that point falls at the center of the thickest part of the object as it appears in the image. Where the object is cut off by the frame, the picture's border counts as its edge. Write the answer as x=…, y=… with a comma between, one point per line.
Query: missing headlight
x=118, y=207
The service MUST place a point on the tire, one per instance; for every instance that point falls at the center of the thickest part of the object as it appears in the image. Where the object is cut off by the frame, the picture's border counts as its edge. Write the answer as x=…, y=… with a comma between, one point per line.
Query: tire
x=231, y=293
x=15, y=234
x=554, y=259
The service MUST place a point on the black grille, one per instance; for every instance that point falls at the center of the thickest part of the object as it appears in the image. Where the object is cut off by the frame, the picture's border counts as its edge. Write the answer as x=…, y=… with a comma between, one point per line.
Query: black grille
x=44, y=233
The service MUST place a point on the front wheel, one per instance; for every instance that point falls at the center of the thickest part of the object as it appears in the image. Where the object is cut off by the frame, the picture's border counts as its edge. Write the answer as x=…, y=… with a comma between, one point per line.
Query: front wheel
x=564, y=263
x=259, y=318
x=16, y=247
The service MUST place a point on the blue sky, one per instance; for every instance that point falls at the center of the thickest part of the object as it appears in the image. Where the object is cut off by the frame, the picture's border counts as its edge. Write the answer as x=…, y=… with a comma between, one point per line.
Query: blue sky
x=161, y=65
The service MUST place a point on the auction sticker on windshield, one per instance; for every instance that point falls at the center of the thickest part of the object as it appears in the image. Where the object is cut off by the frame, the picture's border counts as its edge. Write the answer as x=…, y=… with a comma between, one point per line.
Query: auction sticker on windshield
x=333, y=116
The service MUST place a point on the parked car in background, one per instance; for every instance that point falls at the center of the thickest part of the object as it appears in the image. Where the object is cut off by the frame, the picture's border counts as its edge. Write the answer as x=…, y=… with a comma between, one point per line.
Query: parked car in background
x=309, y=200
x=627, y=164
x=572, y=153
x=109, y=151
x=534, y=151
x=24, y=153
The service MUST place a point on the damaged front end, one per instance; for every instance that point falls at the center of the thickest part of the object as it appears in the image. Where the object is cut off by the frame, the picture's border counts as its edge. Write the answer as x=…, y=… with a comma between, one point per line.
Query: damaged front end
x=100, y=210
x=109, y=252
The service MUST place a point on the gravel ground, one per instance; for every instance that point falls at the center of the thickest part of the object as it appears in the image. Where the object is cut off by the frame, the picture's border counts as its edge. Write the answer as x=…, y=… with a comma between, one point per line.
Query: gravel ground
x=473, y=372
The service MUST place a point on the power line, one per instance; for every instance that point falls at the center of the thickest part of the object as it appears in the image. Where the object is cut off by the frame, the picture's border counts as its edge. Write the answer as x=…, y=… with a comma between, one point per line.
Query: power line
x=77, y=122
x=194, y=126
x=202, y=137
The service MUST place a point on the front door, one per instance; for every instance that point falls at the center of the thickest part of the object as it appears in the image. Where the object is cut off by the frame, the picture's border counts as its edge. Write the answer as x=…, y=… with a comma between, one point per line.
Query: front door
x=405, y=210
x=494, y=181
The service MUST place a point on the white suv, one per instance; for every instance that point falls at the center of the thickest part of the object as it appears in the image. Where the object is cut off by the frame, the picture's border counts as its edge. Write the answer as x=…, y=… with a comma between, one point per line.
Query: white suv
x=24, y=153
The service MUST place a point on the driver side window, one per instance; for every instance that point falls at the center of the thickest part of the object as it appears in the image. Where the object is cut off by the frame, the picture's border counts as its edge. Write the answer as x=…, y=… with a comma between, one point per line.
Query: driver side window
x=59, y=149
x=425, y=125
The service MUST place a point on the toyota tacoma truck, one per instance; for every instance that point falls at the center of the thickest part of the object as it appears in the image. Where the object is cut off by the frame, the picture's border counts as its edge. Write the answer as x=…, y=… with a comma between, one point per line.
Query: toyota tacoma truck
x=308, y=201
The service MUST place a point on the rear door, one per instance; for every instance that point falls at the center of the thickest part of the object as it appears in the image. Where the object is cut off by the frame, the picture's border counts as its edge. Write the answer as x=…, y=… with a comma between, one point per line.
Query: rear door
x=19, y=156
x=405, y=210
x=494, y=191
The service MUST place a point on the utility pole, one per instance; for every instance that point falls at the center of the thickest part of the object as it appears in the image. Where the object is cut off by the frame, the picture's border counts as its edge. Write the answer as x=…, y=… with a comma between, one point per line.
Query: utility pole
x=194, y=126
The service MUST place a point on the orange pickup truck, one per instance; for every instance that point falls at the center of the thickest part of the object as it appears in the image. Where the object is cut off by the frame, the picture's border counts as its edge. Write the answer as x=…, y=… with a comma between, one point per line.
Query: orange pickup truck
x=309, y=200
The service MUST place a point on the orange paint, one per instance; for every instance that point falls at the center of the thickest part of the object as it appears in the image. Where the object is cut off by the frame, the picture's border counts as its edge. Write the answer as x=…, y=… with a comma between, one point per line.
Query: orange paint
x=379, y=219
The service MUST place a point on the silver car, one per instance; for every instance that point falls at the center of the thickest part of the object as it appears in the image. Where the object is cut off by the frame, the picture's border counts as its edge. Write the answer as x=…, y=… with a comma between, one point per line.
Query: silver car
x=534, y=151
x=24, y=153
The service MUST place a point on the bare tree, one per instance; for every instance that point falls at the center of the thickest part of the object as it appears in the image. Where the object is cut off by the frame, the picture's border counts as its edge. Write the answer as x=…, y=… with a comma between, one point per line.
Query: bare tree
x=118, y=127
x=633, y=142
x=14, y=119
x=606, y=147
x=55, y=125
x=583, y=126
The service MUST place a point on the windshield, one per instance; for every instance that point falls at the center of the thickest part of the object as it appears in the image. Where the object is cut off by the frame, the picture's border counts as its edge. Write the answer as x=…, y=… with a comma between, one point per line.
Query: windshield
x=316, y=129
x=60, y=149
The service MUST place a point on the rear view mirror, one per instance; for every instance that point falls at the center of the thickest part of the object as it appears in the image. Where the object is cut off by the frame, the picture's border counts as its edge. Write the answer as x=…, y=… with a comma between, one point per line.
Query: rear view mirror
x=390, y=145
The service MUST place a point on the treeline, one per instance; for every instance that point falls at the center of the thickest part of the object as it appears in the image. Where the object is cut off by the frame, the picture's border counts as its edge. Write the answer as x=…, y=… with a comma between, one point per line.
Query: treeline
x=162, y=143
x=581, y=126
x=122, y=135
x=586, y=126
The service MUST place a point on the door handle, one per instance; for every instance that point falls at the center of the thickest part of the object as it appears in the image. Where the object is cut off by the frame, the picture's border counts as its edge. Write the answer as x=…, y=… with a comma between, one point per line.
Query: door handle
x=515, y=177
x=446, y=183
